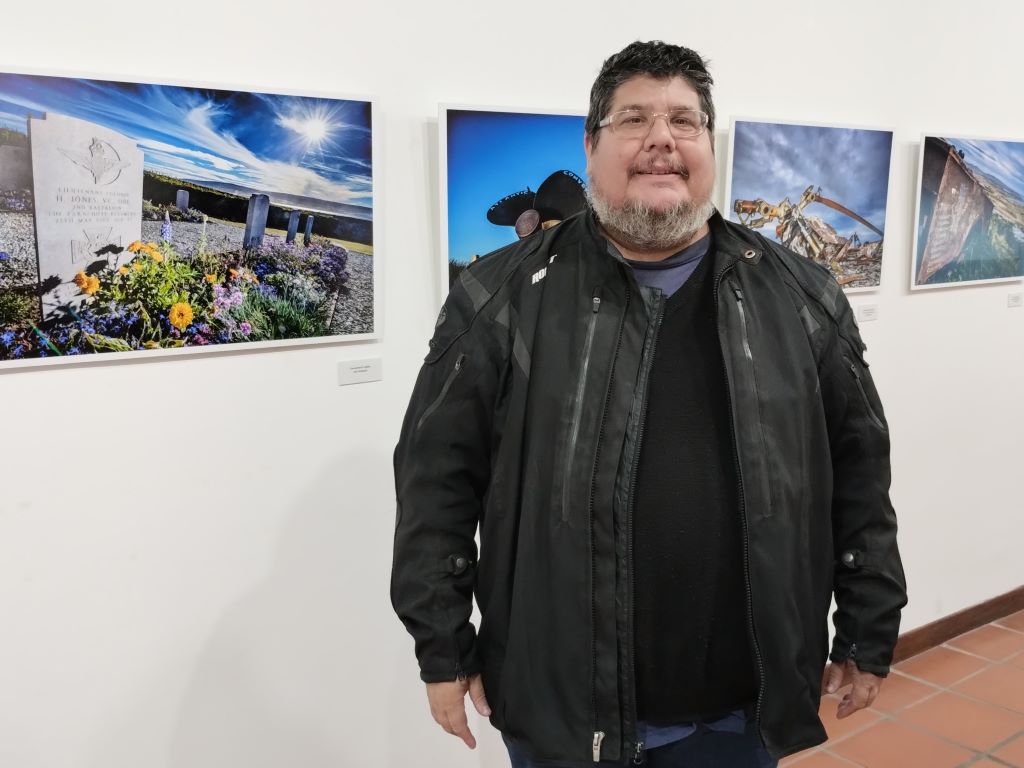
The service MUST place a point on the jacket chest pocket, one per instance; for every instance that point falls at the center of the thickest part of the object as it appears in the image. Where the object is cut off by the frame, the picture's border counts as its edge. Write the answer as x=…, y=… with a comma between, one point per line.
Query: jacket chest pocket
x=749, y=431
x=438, y=401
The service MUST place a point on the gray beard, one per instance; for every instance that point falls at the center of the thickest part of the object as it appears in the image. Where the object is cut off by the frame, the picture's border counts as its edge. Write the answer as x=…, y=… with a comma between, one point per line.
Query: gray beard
x=643, y=228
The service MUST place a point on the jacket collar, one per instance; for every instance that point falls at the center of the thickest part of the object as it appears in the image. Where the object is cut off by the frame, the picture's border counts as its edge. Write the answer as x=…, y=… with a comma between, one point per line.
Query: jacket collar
x=727, y=246
x=730, y=247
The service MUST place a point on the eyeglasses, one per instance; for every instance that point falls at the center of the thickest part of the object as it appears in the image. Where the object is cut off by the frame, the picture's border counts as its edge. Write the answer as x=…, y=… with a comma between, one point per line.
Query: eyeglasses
x=637, y=123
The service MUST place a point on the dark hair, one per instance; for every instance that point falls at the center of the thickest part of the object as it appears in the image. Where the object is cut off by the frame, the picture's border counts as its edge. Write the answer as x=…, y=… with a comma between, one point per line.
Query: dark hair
x=657, y=59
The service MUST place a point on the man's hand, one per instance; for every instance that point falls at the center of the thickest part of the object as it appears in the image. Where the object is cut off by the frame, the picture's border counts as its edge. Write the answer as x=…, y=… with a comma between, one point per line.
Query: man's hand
x=447, y=705
x=865, y=686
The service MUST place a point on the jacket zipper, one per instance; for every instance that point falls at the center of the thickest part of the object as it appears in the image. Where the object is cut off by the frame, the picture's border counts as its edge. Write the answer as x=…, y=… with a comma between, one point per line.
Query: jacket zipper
x=863, y=393
x=577, y=414
x=444, y=390
x=646, y=366
x=753, y=373
x=599, y=734
x=742, y=500
x=596, y=745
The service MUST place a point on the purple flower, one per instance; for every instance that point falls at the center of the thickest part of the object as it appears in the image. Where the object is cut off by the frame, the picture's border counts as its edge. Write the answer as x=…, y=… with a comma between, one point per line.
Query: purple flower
x=4, y=256
x=245, y=328
x=165, y=228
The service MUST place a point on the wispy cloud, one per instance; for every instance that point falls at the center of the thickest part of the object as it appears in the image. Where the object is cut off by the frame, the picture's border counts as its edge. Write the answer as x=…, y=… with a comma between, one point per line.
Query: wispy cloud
x=231, y=137
x=776, y=161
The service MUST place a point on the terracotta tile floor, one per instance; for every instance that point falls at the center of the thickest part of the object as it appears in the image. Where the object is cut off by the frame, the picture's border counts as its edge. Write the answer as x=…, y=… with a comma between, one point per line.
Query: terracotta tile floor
x=958, y=705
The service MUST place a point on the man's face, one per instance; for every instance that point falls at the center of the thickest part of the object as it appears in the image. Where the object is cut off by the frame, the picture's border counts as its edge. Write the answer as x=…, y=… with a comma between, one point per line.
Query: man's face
x=658, y=170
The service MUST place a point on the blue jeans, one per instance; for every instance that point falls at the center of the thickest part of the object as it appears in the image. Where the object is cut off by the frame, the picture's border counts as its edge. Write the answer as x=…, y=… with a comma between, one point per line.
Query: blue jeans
x=703, y=749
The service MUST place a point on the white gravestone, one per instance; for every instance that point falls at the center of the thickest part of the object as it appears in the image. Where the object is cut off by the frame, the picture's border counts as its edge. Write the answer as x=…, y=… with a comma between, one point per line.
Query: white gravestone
x=88, y=201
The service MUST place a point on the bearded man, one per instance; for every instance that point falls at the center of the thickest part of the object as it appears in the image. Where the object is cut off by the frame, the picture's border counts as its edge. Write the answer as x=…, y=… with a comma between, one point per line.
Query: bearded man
x=663, y=427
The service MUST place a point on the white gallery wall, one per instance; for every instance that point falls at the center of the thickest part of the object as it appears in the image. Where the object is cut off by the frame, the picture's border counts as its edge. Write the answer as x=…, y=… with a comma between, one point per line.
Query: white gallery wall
x=195, y=553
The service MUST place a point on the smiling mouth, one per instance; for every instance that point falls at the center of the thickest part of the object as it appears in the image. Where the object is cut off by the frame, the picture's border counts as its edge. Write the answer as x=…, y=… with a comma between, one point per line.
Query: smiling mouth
x=682, y=173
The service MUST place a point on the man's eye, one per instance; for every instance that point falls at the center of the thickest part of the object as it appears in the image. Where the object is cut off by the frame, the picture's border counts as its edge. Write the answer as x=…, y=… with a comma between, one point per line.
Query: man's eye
x=633, y=120
x=683, y=121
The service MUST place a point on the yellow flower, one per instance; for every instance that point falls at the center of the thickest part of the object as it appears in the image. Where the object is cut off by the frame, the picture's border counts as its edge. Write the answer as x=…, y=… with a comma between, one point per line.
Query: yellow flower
x=233, y=272
x=180, y=315
x=136, y=265
x=135, y=246
x=92, y=285
x=211, y=278
x=150, y=345
x=156, y=256
x=123, y=270
x=81, y=280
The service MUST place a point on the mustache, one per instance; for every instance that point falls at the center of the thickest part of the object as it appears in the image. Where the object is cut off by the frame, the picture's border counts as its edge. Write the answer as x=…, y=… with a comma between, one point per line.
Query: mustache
x=660, y=166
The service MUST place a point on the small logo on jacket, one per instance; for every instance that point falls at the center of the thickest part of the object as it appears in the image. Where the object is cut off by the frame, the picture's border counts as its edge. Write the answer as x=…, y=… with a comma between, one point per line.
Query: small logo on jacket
x=539, y=275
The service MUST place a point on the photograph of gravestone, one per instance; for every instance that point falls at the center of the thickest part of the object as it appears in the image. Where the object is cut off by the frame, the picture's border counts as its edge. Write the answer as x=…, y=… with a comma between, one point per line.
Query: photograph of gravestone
x=506, y=176
x=819, y=190
x=137, y=217
x=970, y=213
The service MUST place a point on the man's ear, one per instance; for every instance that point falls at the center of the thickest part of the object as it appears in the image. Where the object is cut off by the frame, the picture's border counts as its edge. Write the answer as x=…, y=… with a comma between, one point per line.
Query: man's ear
x=588, y=148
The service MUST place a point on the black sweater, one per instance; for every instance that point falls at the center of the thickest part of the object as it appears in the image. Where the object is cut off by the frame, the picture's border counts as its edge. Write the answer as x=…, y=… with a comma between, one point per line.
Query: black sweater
x=693, y=651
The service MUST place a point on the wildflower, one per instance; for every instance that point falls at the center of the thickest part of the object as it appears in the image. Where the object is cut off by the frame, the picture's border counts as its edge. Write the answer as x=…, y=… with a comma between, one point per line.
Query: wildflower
x=155, y=255
x=245, y=328
x=136, y=265
x=180, y=315
x=123, y=270
x=135, y=246
x=165, y=228
x=92, y=285
x=81, y=280
x=233, y=272
x=150, y=345
x=4, y=256
x=7, y=338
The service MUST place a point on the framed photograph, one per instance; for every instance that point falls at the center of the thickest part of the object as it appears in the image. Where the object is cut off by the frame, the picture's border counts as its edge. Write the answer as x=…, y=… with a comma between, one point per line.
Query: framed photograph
x=144, y=218
x=820, y=190
x=970, y=213
x=505, y=175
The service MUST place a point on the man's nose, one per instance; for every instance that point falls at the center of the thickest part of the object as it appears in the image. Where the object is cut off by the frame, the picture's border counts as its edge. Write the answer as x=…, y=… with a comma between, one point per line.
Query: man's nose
x=659, y=135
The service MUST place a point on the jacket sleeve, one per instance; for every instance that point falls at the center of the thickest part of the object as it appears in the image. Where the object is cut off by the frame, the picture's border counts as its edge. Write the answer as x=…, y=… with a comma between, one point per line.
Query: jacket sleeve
x=870, y=589
x=442, y=468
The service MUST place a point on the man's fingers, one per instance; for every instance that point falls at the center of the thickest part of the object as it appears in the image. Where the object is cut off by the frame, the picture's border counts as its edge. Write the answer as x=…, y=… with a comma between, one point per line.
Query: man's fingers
x=460, y=727
x=832, y=679
x=861, y=696
x=835, y=678
x=476, y=693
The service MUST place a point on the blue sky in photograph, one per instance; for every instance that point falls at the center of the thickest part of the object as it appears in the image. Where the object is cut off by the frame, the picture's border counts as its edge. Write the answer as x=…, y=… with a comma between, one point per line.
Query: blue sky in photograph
x=494, y=154
x=314, y=147
x=1000, y=160
x=774, y=161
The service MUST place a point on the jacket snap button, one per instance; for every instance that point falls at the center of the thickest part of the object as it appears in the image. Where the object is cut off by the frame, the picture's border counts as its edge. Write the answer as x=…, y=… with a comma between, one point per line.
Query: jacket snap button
x=848, y=558
x=749, y=254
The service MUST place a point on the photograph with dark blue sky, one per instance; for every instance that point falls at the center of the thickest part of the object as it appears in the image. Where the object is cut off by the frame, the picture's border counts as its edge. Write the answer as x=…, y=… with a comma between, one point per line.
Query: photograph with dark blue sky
x=1000, y=161
x=773, y=161
x=495, y=154
x=238, y=141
